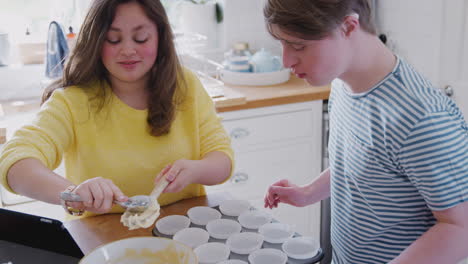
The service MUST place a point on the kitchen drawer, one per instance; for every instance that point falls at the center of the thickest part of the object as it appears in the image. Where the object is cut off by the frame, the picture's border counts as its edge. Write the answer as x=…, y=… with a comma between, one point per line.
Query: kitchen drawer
x=256, y=170
x=250, y=132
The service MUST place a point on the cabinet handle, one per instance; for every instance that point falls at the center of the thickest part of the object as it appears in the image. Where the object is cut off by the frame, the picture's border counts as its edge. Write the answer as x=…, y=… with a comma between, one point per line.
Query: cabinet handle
x=448, y=90
x=239, y=133
x=240, y=177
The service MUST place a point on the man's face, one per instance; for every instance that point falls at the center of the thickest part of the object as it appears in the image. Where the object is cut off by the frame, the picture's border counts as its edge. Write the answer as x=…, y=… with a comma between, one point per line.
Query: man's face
x=316, y=61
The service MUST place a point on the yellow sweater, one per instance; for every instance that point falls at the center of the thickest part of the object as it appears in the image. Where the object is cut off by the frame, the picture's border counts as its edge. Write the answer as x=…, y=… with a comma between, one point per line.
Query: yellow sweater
x=115, y=143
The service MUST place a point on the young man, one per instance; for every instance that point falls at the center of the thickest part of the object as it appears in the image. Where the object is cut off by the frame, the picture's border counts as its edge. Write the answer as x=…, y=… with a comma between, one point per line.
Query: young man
x=398, y=176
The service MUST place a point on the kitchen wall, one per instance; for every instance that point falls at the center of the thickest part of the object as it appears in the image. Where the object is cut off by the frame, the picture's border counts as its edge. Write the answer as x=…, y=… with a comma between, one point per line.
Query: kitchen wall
x=433, y=36
x=413, y=29
x=243, y=21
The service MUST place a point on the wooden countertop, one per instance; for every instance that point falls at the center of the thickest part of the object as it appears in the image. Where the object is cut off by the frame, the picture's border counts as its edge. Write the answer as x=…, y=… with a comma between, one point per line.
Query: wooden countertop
x=294, y=91
x=92, y=232
x=236, y=97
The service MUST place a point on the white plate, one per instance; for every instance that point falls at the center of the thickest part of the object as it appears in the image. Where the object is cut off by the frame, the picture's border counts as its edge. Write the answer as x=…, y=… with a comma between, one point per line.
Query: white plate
x=201, y=215
x=244, y=243
x=192, y=236
x=141, y=250
x=276, y=232
x=268, y=256
x=223, y=228
x=254, y=219
x=255, y=79
x=169, y=225
x=233, y=261
x=234, y=207
x=301, y=247
x=213, y=252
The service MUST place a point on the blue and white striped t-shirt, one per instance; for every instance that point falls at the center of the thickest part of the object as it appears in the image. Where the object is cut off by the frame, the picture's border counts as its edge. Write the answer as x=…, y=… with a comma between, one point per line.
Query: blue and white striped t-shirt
x=397, y=152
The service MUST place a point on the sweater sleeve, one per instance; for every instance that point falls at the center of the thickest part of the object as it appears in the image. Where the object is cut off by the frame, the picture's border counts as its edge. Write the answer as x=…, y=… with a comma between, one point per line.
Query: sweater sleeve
x=45, y=138
x=213, y=136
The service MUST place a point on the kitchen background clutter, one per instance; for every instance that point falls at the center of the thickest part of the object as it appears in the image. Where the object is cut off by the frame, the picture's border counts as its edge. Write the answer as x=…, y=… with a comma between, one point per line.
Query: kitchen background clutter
x=4, y=48
x=269, y=133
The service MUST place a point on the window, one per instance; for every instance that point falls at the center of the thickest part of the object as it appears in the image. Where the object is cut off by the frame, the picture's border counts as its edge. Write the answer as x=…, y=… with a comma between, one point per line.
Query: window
x=20, y=16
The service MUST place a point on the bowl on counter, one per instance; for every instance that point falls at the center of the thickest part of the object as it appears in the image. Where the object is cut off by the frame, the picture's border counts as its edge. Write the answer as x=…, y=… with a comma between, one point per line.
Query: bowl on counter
x=268, y=256
x=254, y=219
x=301, y=247
x=223, y=228
x=245, y=242
x=192, y=236
x=255, y=78
x=171, y=224
x=141, y=250
x=276, y=232
x=212, y=253
x=201, y=215
x=234, y=207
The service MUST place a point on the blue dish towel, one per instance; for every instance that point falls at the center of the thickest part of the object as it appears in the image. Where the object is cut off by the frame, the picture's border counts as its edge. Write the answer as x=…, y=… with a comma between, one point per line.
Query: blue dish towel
x=57, y=51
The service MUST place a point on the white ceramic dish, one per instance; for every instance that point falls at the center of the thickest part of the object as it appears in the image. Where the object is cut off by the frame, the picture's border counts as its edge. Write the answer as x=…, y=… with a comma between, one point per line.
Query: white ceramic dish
x=201, y=215
x=223, y=228
x=234, y=207
x=255, y=79
x=301, y=247
x=268, y=256
x=141, y=250
x=276, y=232
x=233, y=261
x=213, y=252
x=169, y=225
x=192, y=236
x=244, y=243
x=254, y=219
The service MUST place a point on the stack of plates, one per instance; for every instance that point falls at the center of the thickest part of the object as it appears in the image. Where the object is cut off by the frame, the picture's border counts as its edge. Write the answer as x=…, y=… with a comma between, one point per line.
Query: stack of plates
x=255, y=79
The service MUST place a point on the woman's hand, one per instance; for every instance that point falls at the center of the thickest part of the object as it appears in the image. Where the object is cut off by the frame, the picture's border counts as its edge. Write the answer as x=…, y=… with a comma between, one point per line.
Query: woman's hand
x=98, y=195
x=180, y=174
x=285, y=192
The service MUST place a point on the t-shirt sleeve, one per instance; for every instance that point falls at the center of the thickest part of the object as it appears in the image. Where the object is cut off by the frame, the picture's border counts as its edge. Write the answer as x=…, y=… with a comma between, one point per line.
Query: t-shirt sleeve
x=435, y=159
x=45, y=138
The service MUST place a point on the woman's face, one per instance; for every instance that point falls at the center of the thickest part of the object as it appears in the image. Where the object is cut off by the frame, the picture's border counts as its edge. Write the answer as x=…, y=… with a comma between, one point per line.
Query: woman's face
x=131, y=45
x=316, y=61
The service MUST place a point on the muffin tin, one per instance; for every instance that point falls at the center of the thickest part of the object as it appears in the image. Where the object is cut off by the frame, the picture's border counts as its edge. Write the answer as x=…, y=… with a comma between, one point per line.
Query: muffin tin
x=264, y=245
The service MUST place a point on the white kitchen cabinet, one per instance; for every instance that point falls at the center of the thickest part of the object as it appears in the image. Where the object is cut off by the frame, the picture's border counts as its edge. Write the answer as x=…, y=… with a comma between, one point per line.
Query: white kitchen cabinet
x=272, y=143
x=437, y=46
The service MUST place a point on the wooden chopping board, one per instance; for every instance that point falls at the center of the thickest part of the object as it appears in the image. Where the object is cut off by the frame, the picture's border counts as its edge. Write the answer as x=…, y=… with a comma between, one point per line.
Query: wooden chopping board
x=229, y=97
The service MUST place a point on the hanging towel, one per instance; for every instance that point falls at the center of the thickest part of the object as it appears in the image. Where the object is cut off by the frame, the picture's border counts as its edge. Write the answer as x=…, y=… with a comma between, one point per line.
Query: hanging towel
x=57, y=51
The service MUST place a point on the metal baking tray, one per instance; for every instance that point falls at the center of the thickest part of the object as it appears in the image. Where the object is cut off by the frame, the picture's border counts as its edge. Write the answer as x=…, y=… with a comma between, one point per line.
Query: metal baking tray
x=233, y=255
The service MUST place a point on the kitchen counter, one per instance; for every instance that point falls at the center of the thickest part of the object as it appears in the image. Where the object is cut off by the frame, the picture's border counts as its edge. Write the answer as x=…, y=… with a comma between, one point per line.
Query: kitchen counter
x=294, y=91
x=92, y=232
x=236, y=97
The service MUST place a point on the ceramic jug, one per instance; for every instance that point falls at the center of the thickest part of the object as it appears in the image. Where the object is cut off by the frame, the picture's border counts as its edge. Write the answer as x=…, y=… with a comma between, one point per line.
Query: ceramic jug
x=4, y=48
x=264, y=61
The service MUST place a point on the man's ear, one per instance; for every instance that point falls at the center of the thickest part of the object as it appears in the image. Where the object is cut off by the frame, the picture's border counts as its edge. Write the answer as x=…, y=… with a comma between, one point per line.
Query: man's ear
x=350, y=24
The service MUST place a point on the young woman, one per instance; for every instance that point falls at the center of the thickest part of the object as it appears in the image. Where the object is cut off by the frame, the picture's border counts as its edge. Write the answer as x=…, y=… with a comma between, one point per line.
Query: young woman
x=398, y=176
x=127, y=112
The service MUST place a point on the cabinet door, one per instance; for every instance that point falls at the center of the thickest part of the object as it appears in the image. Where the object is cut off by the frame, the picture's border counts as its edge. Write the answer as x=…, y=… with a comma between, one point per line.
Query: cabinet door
x=252, y=132
x=256, y=170
x=437, y=47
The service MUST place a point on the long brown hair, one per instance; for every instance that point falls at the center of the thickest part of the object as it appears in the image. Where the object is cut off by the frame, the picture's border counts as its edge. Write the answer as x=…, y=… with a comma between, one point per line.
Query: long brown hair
x=315, y=19
x=84, y=66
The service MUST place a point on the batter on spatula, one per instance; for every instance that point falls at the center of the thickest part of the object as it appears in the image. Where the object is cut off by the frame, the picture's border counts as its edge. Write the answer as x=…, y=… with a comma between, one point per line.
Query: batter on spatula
x=134, y=219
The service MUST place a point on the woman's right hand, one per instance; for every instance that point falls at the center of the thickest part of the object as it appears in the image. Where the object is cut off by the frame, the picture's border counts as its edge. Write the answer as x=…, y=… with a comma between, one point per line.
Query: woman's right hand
x=98, y=195
x=284, y=191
